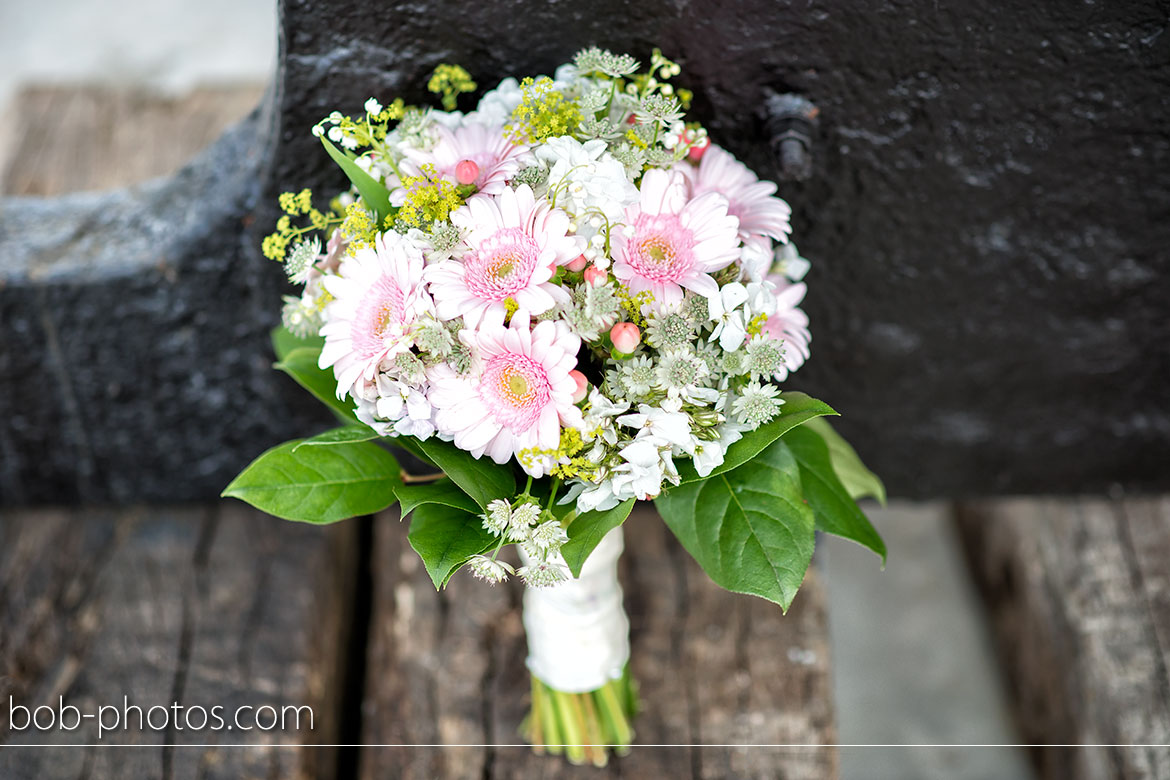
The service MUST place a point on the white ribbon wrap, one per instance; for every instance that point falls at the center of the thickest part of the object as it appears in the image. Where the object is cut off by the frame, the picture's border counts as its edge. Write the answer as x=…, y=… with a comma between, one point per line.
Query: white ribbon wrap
x=578, y=632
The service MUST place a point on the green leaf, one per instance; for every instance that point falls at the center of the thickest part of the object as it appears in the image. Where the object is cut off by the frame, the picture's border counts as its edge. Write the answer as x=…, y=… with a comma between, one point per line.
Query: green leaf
x=301, y=365
x=748, y=528
x=375, y=195
x=859, y=481
x=318, y=484
x=345, y=435
x=442, y=491
x=835, y=510
x=284, y=342
x=798, y=409
x=585, y=532
x=482, y=479
x=446, y=538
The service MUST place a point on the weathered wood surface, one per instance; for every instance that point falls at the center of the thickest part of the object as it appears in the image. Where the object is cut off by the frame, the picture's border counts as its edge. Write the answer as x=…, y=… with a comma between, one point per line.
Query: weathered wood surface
x=1079, y=595
x=200, y=606
x=714, y=668
x=75, y=139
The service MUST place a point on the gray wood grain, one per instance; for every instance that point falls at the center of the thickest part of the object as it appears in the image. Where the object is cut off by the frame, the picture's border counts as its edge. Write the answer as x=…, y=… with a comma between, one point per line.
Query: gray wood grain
x=202, y=606
x=1079, y=594
x=714, y=669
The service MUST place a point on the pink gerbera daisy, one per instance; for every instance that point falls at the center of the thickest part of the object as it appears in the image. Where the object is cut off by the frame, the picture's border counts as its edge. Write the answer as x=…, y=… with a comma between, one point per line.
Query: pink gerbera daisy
x=519, y=395
x=477, y=154
x=670, y=242
x=789, y=324
x=514, y=245
x=378, y=294
x=760, y=213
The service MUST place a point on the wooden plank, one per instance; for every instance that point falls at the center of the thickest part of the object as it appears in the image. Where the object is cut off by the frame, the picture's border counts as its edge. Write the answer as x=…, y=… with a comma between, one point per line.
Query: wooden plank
x=204, y=607
x=73, y=139
x=1079, y=594
x=714, y=668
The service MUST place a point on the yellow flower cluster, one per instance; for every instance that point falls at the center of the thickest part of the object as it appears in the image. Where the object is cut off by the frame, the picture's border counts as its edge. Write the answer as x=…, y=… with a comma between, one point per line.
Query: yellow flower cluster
x=428, y=198
x=359, y=228
x=450, y=81
x=565, y=462
x=543, y=112
x=632, y=303
x=756, y=325
x=275, y=246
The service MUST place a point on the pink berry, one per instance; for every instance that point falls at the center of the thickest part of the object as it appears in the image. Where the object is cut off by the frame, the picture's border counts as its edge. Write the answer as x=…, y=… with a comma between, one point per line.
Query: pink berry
x=582, y=385
x=466, y=172
x=595, y=275
x=625, y=337
x=578, y=264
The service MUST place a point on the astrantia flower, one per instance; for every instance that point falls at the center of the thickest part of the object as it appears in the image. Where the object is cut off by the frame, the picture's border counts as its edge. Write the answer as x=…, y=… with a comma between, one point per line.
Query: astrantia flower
x=515, y=244
x=756, y=405
x=520, y=395
x=489, y=569
x=543, y=574
x=494, y=156
x=638, y=376
x=789, y=324
x=753, y=201
x=378, y=295
x=671, y=243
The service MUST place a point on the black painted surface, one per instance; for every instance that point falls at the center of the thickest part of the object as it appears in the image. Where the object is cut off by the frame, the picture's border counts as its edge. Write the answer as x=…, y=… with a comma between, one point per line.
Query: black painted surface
x=988, y=216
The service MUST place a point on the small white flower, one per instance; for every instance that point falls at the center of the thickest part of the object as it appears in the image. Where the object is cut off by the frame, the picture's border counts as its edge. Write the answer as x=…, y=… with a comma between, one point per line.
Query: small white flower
x=498, y=517
x=335, y=134
x=664, y=423
x=549, y=536
x=756, y=405
x=349, y=142
x=543, y=574
x=490, y=570
x=725, y=309
x=638, y=375
x=373, y=106
x=520, y=526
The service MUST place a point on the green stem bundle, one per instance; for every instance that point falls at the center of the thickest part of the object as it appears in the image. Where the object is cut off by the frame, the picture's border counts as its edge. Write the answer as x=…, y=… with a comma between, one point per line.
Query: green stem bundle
x=582, y=726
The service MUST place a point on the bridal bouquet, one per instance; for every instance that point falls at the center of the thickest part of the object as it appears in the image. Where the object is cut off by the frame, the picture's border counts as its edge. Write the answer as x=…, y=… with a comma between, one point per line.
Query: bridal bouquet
x=565, y=301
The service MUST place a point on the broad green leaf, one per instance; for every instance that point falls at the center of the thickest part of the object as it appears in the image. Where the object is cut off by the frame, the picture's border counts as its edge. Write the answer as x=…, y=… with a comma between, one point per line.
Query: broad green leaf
x=483, y=479
x=443, y=491
x=586, y=530
x=318, y=484
x=798, y=409
x=748, y=528
x=284, y=342
x=446, y=538
x=375, y=195
x=301, y=365
x=835, y=510
x=345, y=435
x=857, y=479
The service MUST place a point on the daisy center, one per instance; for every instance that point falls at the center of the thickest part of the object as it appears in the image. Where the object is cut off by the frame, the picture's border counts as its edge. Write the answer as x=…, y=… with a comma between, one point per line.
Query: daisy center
x=515, y=389
x=662, y=249
x=502, y=265
x=379, y=316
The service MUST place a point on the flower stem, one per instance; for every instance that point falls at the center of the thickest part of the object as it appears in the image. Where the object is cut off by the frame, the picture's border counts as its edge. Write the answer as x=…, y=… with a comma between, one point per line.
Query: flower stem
x=584, y=726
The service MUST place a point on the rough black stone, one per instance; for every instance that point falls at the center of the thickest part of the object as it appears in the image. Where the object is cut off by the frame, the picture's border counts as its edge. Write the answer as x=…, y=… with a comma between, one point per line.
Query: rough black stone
x=988, y=217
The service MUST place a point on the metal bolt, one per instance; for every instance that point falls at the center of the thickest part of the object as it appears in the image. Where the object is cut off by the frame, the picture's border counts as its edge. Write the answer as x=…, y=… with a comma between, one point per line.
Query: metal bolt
x=791, y=120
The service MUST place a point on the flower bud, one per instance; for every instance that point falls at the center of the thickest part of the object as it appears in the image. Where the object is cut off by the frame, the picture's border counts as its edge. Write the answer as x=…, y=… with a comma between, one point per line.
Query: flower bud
x=595, y=275
x=697, y=151
x=625, y=337
x=466, y=172
x=582, y=385
x=578, y=264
